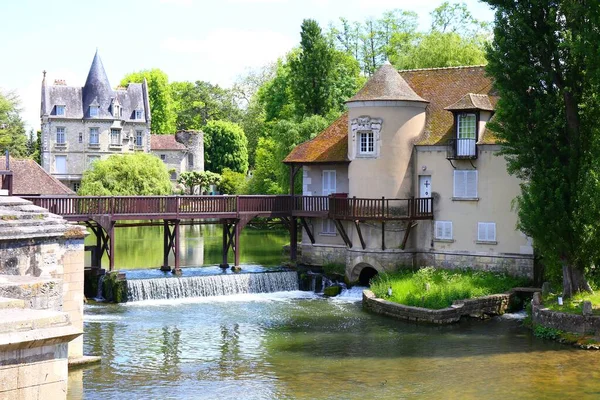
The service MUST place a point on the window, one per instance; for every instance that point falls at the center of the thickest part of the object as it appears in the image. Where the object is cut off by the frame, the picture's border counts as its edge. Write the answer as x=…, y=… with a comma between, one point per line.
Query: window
x=76, y=186
x=80, y=137
x=138, y=137
x=190, y=160
x=329, y=183
x=486, y=232
x=367, y=143
x=60, y=110
x=116, y=111
x=443, y=230
x=465, y=184
x=91, y=160
x=173, y=175
x=328, y=227
x=466, y=126
x=163, y=157
x=115, y=137
x=94, y=111
x=60, y=135
x=138, y=114
x=61, y=164
x=94, y=137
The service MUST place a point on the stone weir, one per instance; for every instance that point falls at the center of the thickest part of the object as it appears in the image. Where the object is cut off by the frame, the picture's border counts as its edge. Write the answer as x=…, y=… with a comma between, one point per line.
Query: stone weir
x=41, y=300
x=211, y=285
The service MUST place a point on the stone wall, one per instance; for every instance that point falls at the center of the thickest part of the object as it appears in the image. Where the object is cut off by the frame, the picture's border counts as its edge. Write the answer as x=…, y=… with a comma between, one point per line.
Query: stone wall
x=488, y=305
x=581, y=324
x=323, y=254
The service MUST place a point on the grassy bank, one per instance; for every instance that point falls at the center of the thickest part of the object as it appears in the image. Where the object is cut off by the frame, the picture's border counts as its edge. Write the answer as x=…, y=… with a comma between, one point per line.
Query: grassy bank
x=436, y=289
x=573, y=305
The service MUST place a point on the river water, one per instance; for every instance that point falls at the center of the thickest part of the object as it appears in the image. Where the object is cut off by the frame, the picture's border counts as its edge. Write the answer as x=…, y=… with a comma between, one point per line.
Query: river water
x=299, y=345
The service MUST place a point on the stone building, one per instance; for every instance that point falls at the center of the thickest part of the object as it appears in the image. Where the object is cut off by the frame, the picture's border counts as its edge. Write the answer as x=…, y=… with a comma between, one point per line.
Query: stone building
x=417, y=133
x=84, y=124
x=181, y=152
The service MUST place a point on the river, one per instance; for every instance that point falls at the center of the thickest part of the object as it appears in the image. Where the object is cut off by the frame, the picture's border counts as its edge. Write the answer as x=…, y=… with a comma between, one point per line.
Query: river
x=299, y=345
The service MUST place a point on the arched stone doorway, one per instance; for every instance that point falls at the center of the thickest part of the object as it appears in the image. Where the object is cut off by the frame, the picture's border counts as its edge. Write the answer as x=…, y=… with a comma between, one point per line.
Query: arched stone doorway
x=365, y=270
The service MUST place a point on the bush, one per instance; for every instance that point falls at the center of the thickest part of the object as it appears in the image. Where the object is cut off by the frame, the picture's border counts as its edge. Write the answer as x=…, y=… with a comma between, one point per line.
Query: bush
x=232, y=182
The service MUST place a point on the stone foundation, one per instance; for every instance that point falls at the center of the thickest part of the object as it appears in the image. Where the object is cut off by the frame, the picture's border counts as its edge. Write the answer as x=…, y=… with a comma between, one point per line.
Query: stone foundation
x=391, y=260
x=496, y=304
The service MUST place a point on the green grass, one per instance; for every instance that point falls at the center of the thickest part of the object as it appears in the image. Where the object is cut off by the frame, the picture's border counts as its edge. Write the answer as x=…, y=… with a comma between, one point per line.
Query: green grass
x=436, y=289
x=574, y=305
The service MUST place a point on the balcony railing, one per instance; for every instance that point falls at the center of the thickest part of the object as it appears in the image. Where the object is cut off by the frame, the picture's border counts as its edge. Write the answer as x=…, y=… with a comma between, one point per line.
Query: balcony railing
x=461, y=149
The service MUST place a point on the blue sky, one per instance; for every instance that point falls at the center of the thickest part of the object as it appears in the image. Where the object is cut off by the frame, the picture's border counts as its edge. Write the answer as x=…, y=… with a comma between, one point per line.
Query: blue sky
x=215, y=41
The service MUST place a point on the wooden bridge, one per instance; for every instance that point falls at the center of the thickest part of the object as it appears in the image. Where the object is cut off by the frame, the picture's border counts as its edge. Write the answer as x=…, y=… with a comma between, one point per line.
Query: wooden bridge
x=103, y=214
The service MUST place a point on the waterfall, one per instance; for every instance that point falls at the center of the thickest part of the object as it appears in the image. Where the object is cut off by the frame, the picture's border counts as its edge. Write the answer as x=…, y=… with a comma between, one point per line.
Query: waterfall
x=99, y=296
x=211, y=285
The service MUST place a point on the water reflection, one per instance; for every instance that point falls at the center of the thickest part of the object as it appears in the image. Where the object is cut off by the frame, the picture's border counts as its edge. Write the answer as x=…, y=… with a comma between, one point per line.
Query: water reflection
x=142, y=247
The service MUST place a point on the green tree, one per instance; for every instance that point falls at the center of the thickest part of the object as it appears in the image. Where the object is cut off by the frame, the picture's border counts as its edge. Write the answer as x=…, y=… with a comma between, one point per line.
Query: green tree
x=134, y=174
x=545, y=60
x=161, y=100
x=12, y=127
x=225, y=146
x=232, y=182
x=198, y=179
x=311, y=71
x=33, y=145
x=200, y=102
x=264, y=178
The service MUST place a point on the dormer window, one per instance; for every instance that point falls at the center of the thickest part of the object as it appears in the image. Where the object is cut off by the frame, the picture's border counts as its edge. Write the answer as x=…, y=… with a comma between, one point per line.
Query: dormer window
x=94, y=111
x=117, y=111
x=60, y=110
x=138, y=114
x=366, y=136
x=466, y=134
x=367, y=142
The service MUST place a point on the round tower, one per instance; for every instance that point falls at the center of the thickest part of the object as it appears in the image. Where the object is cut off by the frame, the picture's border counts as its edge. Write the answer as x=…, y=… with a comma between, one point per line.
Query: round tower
x=384, y=118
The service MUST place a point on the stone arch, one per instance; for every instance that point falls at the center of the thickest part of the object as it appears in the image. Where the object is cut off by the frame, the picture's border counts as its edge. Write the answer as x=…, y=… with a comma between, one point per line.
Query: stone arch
x=365, y=267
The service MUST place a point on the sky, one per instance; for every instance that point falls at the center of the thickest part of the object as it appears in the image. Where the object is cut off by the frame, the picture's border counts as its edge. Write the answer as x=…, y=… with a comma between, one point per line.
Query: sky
x=216, y=40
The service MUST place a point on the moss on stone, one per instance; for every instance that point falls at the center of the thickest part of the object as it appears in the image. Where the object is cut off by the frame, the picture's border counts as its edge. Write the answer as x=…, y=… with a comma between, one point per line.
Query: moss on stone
x=332, y=291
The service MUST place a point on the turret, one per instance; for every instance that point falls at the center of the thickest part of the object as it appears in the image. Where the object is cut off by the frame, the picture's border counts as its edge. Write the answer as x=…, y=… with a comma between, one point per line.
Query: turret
x=97, y=92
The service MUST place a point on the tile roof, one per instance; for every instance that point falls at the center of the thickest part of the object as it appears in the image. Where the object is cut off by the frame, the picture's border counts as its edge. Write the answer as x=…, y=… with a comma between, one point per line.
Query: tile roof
x=329, y=146
x=472, y=101
x=165, y=142
x=386, y=84
x=31, y=179
x=443, y=88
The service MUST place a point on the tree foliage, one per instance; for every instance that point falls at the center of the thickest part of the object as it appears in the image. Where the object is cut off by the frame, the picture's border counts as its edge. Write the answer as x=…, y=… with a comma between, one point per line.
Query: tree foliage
x=159, y=94
x=545, y=59
x=133, y=174
x=12, y=127
x=193, y=180
x=232, y=182
x=225, y=147
x=197, y=103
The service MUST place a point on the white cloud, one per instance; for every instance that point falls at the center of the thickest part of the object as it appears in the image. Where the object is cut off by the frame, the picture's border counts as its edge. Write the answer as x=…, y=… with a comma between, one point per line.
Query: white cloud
x=227, y=52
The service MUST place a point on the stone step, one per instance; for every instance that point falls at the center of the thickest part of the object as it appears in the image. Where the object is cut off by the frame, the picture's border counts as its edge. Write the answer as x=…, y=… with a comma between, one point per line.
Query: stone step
x=7, y=302
x=19, y=320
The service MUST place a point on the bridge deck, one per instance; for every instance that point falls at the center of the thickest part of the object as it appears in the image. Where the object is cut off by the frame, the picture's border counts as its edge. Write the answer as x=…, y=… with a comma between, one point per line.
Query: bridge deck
x=85, y=208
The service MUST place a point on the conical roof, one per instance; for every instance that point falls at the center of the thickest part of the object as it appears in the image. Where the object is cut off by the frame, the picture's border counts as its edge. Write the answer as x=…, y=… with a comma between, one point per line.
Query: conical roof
x=97, y=90
x=386, y=84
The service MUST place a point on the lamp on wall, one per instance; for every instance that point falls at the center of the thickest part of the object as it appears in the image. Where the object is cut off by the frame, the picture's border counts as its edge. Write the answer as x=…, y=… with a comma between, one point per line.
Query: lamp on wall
x=424, y=168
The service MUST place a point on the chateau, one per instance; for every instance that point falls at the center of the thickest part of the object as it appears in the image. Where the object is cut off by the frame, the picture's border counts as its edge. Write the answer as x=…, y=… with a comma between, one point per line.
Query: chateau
x=417, y=133
x=84, y=124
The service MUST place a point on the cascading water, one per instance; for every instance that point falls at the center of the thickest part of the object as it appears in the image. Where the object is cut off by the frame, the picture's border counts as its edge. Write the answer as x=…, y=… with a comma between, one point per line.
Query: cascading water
x=211, y=285
x=99, y=296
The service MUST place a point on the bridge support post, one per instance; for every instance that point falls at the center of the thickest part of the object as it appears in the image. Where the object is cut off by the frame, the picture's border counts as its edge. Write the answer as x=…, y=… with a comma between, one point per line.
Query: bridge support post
x=171, y=244
x=111, y=246
x=236, y=248
x=166, y=250
x=293, y=238
x=176, y=270
x=225, y=252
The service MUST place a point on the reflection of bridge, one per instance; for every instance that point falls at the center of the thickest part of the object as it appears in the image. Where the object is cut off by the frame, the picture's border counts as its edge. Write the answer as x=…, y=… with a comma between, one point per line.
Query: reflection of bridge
x=102, y=214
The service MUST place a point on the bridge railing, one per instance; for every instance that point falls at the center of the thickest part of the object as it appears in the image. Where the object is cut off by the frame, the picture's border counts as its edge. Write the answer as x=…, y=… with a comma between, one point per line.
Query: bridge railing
x=326, y=206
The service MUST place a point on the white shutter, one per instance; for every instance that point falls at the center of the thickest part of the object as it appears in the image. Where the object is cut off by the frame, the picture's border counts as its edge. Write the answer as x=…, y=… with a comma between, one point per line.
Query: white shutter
x=443, y=230
x=486, y=231
x=471, y=184
x=328, y=182
x=465, y=183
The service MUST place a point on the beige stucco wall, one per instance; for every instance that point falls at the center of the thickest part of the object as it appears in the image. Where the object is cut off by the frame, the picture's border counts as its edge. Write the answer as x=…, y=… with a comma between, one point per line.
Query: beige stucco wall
x=496, y=190
x=312, y=178
x=389, y=174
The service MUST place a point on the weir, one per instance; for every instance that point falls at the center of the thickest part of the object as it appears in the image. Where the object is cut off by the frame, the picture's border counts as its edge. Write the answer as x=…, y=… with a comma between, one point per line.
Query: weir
x=211, y=285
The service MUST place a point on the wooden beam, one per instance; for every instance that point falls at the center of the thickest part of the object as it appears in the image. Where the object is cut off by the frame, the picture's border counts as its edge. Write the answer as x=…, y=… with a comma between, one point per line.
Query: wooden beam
x=342, y=232
x=382, y=235
x=307, y=229
x=408, y=228
x=360, y=236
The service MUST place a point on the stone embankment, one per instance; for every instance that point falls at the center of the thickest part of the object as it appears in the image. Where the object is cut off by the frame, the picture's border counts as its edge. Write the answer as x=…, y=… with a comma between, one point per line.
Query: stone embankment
x=583, y=324
x=480, y=307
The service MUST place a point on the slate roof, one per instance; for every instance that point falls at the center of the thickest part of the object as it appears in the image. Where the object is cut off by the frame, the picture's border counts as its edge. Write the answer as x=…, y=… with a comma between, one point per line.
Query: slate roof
x=453, y=88
x=386, y=84
x=329, y=146
x=96, y=91
x=165, y=142
x=31, y=179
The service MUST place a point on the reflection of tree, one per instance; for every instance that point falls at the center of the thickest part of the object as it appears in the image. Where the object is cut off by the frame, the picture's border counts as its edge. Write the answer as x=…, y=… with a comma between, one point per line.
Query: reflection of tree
x=171, y=339
x=230, y=360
